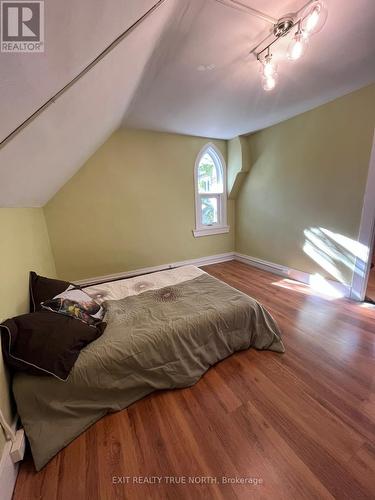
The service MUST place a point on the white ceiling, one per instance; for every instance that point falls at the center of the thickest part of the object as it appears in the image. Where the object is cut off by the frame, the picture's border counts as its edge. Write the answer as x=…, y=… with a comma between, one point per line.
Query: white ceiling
x=151, y=80
x=229, y=100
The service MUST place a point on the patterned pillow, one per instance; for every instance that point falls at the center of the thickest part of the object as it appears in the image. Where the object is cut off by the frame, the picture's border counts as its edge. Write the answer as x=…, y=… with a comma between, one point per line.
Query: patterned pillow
x=78, y=304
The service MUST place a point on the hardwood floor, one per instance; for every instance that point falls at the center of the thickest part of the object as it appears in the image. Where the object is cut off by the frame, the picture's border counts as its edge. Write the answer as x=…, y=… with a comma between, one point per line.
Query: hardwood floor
x=301, y=424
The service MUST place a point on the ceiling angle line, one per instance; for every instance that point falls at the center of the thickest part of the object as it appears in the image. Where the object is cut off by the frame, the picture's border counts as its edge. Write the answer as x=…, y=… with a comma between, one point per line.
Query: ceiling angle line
x=236, y=4
x=85, y=70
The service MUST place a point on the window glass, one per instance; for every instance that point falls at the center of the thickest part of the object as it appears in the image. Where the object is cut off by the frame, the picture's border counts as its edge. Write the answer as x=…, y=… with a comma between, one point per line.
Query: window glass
x=209, y=211
x=209, y=176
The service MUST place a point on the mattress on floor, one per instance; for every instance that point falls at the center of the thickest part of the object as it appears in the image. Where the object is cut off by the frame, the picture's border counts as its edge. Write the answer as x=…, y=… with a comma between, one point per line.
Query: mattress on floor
x=164, y=331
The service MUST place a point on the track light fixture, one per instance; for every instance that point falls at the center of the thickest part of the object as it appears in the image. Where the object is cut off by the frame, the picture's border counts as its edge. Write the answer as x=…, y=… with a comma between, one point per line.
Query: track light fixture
x=307, y=21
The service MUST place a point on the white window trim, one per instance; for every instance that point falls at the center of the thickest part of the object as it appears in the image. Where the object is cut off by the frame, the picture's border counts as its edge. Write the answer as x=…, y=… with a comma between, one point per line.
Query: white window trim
x=222, y=226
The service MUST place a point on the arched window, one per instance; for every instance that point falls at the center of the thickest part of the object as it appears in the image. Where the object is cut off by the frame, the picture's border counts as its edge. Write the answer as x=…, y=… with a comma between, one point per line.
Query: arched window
x=210, y=192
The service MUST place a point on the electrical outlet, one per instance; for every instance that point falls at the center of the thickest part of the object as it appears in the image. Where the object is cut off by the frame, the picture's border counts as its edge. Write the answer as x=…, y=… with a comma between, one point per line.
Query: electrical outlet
x=17, y=451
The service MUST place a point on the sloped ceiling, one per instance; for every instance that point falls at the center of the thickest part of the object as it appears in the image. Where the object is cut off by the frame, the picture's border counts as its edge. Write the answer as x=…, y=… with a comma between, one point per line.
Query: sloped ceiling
x=44, y=155
x=151, y=80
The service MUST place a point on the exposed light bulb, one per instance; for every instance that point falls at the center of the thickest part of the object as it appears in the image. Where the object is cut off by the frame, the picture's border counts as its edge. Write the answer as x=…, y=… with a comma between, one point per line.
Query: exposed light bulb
x=269, y=72
x=314, y=17
x=297, y=46
x=269, y=82
x=269, y=68
x=312, y=20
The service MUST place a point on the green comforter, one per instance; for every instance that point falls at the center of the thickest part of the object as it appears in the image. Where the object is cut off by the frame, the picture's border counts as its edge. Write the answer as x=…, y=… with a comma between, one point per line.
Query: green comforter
x=159, y=339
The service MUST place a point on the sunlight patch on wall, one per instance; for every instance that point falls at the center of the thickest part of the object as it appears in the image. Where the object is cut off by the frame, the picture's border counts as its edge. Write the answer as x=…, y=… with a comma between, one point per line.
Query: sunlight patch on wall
x=355, y=247
x=323, y=259
x=333, y=251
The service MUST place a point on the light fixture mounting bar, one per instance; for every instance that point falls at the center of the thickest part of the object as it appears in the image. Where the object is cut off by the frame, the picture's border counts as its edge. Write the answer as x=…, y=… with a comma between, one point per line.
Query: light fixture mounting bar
x=295, y=16
x=236, y=4
x=267, y=47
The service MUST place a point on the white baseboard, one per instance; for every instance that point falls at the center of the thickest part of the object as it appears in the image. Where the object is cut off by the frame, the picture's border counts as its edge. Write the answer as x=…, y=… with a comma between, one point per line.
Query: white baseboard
x=202, y=261
x=8, y=471
x=342, y=289
x=262, y=264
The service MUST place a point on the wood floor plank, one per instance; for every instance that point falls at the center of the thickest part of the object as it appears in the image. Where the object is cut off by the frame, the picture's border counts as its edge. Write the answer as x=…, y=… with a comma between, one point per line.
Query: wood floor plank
x=303, y=422
x=305, y=410
x=254, y=456
x=303, y=483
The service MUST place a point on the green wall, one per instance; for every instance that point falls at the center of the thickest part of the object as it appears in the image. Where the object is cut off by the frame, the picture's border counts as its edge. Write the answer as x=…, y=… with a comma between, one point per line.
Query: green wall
x=309, y=173
x=239, y=164
x=131, y=206
x=24, y=247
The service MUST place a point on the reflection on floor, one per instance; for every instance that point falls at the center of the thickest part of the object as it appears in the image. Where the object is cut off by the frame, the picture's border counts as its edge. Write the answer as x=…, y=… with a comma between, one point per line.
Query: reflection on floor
x=371, y=285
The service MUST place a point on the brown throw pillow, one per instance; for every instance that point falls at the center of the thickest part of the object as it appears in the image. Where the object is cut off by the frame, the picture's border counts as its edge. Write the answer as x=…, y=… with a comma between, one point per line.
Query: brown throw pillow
x=42, y=289
x=45, y=343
